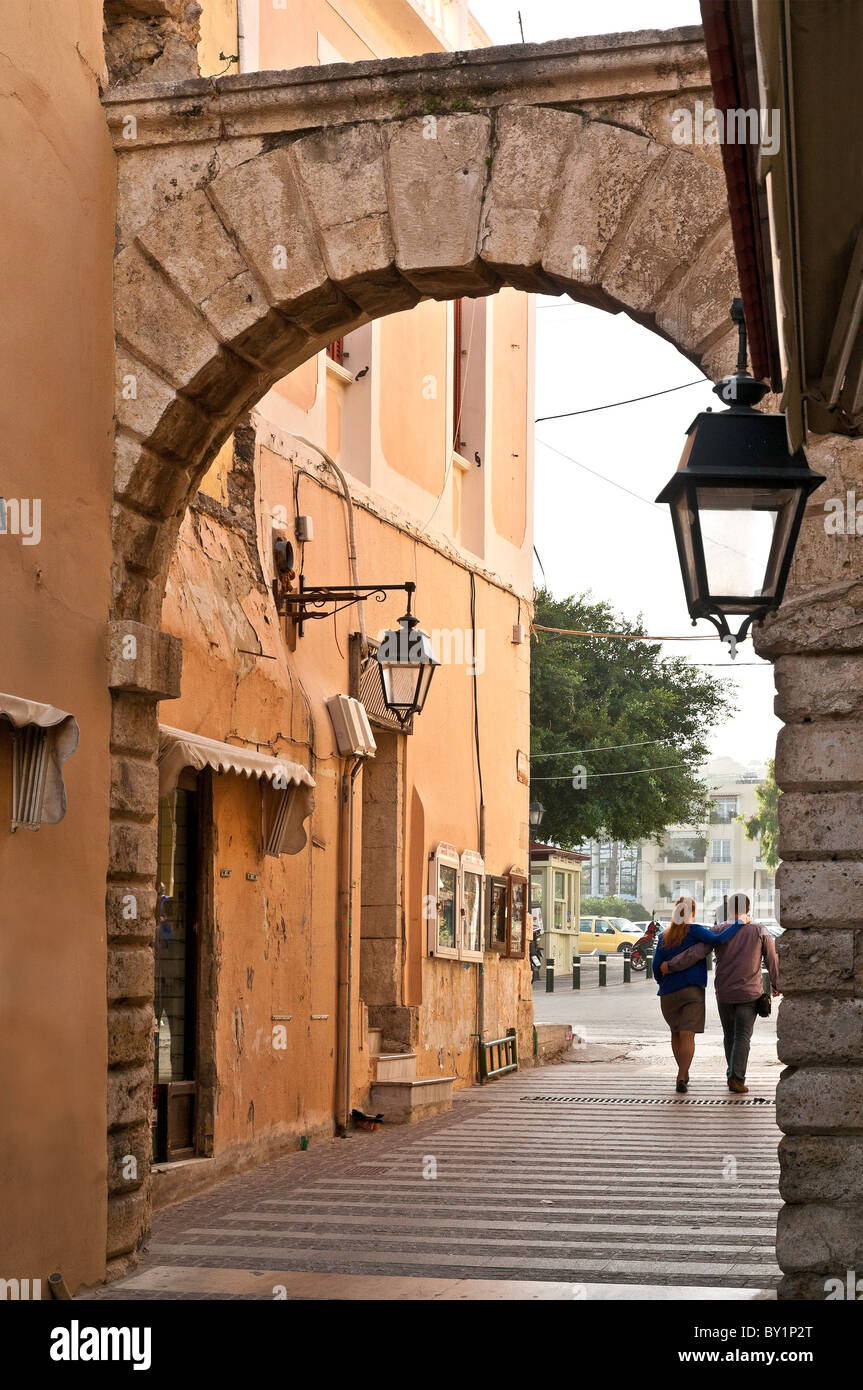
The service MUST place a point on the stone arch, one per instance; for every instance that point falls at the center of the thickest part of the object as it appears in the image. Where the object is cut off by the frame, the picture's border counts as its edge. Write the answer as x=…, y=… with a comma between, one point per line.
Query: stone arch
x=240, y=280
x=241, y=253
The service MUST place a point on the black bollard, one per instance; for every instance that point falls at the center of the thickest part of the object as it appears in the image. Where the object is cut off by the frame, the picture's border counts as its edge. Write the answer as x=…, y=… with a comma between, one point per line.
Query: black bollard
x=602, y=980
x=648, y=963
x=576, y=972
x=549, y=975
x=627, y=966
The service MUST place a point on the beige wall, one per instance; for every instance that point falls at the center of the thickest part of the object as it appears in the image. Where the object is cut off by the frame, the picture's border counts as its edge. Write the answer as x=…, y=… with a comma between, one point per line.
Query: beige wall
x=56, y=236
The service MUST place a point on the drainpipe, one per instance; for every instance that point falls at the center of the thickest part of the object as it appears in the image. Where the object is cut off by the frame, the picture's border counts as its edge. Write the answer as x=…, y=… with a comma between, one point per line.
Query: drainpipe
x=346, y=943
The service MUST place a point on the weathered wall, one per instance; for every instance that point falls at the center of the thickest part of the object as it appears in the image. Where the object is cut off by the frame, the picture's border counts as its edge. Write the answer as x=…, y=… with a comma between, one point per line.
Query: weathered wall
x=816, y=644
x=56, y=237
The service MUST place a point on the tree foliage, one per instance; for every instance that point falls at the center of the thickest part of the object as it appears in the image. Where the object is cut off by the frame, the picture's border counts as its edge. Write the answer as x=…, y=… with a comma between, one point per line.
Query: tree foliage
x=614, y=907
x=590, y=692
x=764, y=825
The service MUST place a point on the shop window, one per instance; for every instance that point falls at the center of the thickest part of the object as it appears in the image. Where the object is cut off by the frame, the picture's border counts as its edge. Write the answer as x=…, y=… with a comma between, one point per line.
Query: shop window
x=444, y=904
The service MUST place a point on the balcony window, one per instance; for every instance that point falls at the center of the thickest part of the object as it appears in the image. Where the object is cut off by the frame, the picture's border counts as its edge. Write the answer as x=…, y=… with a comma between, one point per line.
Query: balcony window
x=720, y=851
x=723, y=810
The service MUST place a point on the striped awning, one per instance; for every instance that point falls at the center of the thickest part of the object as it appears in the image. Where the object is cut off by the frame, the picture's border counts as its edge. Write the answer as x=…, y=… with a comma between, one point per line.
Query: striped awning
x=292, y=783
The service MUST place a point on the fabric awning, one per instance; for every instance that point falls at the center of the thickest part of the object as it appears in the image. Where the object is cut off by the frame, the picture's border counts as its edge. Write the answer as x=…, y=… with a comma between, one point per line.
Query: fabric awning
x=292, y=783
x=61, y=729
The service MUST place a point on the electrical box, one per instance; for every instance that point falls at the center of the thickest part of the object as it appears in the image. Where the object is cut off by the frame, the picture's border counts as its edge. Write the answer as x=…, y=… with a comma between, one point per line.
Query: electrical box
x=351, y=726
x=304, y=529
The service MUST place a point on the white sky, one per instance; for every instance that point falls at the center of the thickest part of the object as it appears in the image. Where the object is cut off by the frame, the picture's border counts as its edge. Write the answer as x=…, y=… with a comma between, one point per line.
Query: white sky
x=589, y=534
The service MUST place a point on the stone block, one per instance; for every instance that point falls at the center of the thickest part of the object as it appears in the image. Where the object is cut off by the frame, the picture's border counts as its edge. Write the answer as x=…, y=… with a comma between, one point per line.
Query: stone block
x=821, y=824
x=156, y=324
x=144, y=661
x=132, y=850
x=820, y=1100
x=190, y=244
x=438, y=183
x=696, y=308
x=147, y=481
x=680, y=204
x=151, y=409
x=130, y=1094
x=134, y=788
x=819, y=757
x=817, y=1238
x=816, y=686
x=130, y=912
x=130, y=973
x=812, y=961
x=128, y=1158
x=821, y=1168
x=602, y=175
x=821, y=894
x=128, y=1222
x=341, y=173
x=264, y=208
x=134, y=723
x=829, y=619
x=380, y=971
x=822, y=1030
x=130, y=1035
x=531, y=145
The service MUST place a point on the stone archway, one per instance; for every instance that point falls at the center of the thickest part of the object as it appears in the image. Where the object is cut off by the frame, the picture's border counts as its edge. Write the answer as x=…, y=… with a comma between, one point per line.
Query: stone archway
x=260, y=217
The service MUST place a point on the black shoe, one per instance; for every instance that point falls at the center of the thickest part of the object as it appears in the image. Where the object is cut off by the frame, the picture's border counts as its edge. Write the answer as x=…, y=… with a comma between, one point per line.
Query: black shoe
x=680, y=1088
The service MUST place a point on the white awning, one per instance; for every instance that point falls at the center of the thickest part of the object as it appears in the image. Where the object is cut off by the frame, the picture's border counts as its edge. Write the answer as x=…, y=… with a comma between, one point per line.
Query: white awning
x=293, y=784
x=43, y=804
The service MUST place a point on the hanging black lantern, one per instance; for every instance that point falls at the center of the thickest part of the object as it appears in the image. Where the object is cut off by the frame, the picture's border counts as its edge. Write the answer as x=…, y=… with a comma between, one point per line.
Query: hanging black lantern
x=407, y=664
x=536, y=811
x=737, y=501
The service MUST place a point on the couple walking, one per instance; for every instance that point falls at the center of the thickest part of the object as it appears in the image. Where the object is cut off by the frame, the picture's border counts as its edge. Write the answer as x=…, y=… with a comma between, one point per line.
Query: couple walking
x=679, y=965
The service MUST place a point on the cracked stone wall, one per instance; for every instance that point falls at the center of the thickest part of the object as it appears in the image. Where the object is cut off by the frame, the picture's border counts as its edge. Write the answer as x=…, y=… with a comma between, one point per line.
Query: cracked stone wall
x=151, y=40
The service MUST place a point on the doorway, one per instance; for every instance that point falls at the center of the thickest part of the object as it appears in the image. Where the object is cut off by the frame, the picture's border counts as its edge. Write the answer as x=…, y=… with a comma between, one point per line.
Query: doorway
x=177, y=971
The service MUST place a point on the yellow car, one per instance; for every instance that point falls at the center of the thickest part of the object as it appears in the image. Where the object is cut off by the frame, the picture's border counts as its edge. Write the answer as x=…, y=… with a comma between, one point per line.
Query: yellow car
x=609, y=934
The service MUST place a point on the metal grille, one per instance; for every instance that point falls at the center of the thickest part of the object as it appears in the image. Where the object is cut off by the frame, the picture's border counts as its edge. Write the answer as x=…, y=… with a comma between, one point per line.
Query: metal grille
x=365, y=684
x=648, y=1100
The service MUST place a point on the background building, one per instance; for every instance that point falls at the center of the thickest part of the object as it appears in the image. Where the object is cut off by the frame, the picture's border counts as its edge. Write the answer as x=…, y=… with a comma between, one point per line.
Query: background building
x=703, y=862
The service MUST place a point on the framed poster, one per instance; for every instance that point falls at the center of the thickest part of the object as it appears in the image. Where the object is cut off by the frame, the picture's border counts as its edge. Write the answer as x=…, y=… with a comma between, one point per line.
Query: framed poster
x=496, y=902
x=516, y=914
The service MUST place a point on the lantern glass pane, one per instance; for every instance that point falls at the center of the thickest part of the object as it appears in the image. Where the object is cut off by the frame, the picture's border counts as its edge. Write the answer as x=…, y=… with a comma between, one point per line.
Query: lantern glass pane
x=683, y=525
x=745, y=531
x=400, y=684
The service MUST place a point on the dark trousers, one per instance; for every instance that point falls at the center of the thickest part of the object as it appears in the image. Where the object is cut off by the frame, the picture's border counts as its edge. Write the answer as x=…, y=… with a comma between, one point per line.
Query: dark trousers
x=737, y=1021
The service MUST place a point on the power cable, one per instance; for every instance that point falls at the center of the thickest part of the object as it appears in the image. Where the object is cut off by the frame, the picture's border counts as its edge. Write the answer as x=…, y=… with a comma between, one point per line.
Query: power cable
x=612, y=405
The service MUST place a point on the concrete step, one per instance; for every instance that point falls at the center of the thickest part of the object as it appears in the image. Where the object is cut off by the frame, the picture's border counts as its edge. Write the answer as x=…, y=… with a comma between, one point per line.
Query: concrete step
x=395, y=1066
x=405, y=1102
x=375, y=1043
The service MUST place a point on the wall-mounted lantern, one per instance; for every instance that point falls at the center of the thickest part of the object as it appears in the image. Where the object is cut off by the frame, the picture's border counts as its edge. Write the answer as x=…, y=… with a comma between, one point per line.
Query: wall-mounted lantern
x=407, y=664
x=535, y=812
x=737, y=501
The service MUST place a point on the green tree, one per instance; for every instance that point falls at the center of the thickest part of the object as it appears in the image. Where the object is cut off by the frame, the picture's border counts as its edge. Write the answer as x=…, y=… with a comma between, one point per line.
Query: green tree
x=614, y=907
x=764, y=825
x=589, y=697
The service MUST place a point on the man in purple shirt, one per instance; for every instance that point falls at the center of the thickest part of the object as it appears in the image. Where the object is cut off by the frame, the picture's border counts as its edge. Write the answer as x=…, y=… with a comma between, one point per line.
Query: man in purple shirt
x=738, y=984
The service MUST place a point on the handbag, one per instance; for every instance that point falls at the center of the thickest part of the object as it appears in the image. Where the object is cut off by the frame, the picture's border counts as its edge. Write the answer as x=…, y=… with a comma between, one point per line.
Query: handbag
x=764, y=1004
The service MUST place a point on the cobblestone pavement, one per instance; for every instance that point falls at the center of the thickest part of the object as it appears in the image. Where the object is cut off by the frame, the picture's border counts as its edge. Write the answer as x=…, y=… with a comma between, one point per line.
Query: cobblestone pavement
x=576, y=1174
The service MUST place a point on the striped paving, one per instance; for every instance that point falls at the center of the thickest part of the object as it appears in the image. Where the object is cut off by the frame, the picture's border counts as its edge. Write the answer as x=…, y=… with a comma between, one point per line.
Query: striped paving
x=529, y=1179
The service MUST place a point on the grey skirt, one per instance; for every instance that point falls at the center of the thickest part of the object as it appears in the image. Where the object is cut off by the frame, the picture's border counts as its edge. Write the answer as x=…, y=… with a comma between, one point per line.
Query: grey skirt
x=683, y=1010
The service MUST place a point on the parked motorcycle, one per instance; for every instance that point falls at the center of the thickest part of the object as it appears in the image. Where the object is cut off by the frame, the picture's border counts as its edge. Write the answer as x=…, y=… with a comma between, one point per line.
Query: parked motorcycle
x=638, y=954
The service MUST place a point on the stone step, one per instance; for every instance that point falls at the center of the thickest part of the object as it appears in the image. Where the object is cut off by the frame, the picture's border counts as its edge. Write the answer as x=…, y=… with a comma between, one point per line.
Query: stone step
x=375, y=1043
x=405, y=1102
x=395, y=1066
